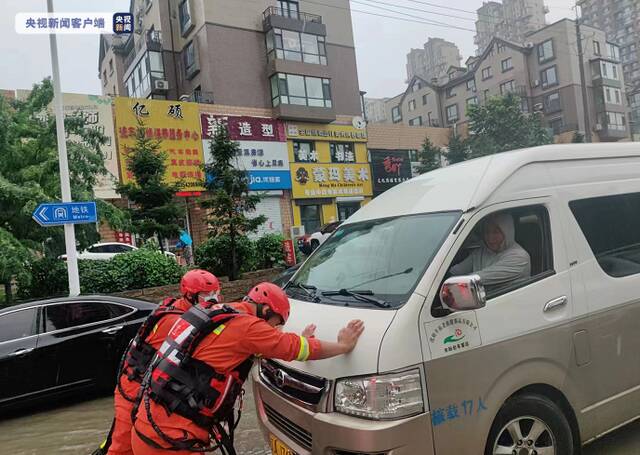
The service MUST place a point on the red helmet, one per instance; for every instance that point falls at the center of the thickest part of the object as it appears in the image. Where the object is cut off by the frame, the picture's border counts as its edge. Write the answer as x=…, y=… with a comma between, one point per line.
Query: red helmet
x=272, y=296
x=199, y=281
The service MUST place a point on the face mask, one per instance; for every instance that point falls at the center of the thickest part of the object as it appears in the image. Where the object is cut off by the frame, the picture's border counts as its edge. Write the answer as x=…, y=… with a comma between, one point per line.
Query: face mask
x=213, y=296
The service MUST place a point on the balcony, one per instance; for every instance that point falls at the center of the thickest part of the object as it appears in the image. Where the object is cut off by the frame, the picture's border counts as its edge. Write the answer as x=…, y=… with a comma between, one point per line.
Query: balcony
x=152, y=41
x=274, y=17
x=202, y=97
x=610, y=133
x=305, y=113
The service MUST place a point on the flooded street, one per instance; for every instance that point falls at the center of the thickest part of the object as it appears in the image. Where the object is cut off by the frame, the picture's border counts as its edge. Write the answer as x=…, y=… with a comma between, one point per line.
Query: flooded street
x=77, y=429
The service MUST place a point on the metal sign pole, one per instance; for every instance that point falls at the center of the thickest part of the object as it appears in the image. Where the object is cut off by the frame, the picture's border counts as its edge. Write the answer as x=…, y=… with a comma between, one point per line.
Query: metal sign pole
x=65, y=186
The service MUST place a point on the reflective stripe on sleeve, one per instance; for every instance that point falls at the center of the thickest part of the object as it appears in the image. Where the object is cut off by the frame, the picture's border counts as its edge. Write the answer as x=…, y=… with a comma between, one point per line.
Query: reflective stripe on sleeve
x=218, y=330
x=303, y=354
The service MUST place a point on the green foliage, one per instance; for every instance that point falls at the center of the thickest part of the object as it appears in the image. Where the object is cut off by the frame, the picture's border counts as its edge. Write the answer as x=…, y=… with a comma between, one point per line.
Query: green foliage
x=429, y=156
x=269, y=251
x=458, y=149
x=215, y=255
x=500, y=125
x=154, y=211
x=13, y=259
x=29, y=171
x=230, y=201
x=578, y=137
x=138, y=269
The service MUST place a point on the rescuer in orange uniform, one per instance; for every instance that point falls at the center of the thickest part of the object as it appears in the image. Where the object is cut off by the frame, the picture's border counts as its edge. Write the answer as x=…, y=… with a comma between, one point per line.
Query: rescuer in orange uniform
x=190, y=391
x=195, y=286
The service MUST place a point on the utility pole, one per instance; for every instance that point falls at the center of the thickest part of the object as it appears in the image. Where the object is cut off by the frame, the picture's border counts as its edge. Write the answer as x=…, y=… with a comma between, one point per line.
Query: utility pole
x=583, y=84
x=65, y=186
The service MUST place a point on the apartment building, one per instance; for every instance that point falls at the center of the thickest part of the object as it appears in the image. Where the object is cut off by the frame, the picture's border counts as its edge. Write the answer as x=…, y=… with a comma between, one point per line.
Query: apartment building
x=544, y=72
x=375, y=109
x=510, y=20
x=295, y=57
x=433, y=60
x=620, y=20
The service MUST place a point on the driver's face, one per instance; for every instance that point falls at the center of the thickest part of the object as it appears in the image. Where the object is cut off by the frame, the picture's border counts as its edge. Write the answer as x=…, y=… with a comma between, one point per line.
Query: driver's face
x=493, y=236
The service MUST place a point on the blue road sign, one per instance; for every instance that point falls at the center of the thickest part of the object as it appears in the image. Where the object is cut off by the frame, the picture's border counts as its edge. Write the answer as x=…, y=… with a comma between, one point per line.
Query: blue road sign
x=59, y=213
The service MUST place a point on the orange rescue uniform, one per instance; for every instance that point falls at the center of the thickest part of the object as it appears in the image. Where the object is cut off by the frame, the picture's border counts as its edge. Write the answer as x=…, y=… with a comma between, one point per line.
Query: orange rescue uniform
x=241, y=338
x=121, y=434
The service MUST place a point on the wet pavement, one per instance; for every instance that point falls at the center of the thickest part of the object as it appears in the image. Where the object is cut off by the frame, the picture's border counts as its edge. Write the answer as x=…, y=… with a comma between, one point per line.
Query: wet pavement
x=77, y=429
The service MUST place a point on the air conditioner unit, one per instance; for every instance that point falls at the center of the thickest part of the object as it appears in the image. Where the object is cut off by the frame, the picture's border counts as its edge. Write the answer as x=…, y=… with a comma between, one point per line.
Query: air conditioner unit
x=161, y=84
x=297, y=231
x=598, y=127
x=536, y=83
x=538, y=107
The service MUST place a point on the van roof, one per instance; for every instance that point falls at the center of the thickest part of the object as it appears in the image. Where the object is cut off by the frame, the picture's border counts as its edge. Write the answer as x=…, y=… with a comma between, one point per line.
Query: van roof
x=467, y=185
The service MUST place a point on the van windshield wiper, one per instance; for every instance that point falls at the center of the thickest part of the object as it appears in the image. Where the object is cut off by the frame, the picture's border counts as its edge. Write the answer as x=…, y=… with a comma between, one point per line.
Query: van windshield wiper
x=384, y=277
x=308, y=289
x=363, y=296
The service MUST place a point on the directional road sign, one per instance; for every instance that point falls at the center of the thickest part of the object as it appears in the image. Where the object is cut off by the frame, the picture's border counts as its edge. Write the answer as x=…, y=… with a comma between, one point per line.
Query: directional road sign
x=59, y=213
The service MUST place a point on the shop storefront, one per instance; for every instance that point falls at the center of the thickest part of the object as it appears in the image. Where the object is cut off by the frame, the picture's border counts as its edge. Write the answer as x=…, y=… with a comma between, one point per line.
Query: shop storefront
x=263, y=154
x=330, y=173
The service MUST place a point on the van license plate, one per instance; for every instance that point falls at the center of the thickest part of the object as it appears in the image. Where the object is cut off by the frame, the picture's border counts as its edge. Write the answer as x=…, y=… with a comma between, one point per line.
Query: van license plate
x=280, y=448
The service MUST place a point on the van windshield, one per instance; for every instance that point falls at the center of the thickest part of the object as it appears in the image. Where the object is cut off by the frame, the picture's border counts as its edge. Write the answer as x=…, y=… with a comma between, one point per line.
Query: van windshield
x=373, y=263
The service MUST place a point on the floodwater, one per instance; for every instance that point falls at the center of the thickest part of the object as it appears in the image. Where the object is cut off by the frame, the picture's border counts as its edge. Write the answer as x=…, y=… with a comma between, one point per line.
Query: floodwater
x=77, y=429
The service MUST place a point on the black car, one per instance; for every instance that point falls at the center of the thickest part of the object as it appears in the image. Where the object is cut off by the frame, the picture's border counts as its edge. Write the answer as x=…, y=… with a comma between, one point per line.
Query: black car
x=50, y=347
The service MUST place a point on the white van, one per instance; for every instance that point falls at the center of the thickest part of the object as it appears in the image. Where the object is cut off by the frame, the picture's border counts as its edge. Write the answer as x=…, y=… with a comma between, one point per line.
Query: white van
x=537, y=364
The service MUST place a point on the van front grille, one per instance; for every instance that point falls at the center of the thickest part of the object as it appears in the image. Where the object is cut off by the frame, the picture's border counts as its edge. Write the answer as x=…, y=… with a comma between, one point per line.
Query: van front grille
x=293, y=431
x=296, y=384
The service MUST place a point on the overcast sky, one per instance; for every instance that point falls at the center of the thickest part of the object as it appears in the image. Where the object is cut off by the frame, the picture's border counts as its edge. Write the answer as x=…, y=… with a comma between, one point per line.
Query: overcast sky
x=381, y=42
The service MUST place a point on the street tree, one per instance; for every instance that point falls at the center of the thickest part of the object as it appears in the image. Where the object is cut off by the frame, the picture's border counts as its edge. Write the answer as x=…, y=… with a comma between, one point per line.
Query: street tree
x=154, y=211
x=29, y=175
x=230, y=201
x=430, y=156
x=500, y=125
x=458, y=149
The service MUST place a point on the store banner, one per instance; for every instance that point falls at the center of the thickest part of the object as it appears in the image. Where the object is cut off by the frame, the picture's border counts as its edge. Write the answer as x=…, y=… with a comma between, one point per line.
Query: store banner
x=243, y=128
x=329, y=133
x=176, y=124
x=289, y=253
x=389, y=168
x=269, y=180
x=311, y=180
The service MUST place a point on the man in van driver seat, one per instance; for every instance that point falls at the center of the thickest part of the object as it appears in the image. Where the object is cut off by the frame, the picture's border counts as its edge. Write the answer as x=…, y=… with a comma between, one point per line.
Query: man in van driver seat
x=500, y=260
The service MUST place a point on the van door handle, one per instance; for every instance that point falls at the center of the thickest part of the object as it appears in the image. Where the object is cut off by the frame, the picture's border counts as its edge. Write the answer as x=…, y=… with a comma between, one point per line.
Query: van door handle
x=113, y=330
x=20, y=352
x=551, y=304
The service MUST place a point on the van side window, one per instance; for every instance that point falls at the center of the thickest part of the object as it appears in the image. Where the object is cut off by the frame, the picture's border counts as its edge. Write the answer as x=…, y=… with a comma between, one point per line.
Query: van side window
x=611, y=225
x=509, y=249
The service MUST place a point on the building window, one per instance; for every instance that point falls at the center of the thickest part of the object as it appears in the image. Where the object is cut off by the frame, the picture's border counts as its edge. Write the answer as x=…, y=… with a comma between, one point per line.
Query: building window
x=552, y=102
x=506, y=87
x=184, y=11
x=556, y=125
x=300, y=90
x=471, y=85
x=295, y=46
x=450, y=93
x=416, y=121
x=507, y=64
x=545, y=51
x=396, y=115
x=452, y=113
x=616, y=121
x=486, y=73
x=609, y=70
x=190, y=61
x=412, y=105
x=310, y=217
x=500, y=47
x=148, y=68
x=305, y=152
x=596, y=47
x=472, y=101
x=288, y=8
x=342, y=152
x=612, y=95
x=549, y=77
x=415, y=87
x=425, y=99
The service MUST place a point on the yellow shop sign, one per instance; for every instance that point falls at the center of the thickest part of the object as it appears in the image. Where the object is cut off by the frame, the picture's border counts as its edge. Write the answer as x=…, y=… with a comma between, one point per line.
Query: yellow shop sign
x=311, y=180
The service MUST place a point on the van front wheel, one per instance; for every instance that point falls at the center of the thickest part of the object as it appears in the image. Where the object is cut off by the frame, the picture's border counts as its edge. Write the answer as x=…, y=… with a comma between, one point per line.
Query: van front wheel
x=530, y=425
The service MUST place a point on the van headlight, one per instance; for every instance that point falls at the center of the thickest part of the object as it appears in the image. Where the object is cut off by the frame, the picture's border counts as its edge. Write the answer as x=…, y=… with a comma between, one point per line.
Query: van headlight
x=387, y=396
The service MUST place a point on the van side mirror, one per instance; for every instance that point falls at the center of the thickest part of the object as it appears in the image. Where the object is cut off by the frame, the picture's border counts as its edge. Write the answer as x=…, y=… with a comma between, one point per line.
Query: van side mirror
x=461, y=293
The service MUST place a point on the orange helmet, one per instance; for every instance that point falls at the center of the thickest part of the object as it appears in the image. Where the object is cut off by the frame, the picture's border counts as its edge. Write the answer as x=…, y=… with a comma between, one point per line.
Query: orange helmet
x=272, y=296
x=196, y=282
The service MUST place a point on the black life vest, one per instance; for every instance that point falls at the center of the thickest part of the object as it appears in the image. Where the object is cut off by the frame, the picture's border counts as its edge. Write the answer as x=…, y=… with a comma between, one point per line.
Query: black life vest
x=139, y=354
x=189, y=387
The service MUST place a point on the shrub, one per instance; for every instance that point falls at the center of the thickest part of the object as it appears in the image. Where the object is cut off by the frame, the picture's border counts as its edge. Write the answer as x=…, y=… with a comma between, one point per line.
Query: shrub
x=269, y=251
x=215, y=255
x=47, y=277
x=144, y=268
